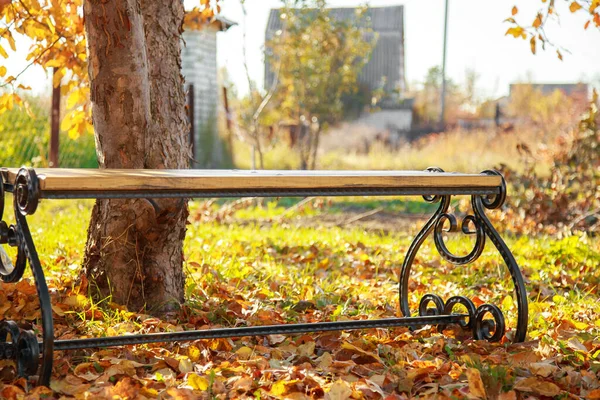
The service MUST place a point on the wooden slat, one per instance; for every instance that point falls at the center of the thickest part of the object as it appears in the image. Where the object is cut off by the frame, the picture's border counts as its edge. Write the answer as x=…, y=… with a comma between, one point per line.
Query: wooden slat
x=57, y=180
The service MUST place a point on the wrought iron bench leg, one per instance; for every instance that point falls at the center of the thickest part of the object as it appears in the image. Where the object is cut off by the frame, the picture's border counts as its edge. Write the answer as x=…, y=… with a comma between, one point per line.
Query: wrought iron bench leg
x=482, y=329
x=24, y=346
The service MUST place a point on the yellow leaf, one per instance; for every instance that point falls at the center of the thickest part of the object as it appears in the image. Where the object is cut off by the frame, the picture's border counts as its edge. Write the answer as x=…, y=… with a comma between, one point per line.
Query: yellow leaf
x=2, y=70
x=3, y=52
x=574, y=6
x=74, y=99
x=198, y=382
x=515, y=10
x=508, y=302
x=54, y=63
x=194, y=353
x=78, y=300
x=244, y=353
x=11, y=41
x=517, y=32
x=280, y=388
x=57, y=77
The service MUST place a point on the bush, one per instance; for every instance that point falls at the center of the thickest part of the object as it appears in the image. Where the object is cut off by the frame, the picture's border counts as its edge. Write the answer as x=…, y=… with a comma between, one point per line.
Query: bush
x=567, y=198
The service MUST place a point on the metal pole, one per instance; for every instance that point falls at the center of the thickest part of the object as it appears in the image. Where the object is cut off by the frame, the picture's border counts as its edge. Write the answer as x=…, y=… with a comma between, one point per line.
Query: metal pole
x=54, y=127
x=443, y=95
x=191, y=116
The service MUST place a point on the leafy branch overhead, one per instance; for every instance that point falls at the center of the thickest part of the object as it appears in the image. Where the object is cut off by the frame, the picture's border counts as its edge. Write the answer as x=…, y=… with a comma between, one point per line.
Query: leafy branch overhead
x=536, y=32
x=57, y=35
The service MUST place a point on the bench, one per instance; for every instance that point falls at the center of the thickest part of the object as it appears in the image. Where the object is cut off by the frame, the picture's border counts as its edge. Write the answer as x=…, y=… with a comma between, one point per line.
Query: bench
x=487, y=191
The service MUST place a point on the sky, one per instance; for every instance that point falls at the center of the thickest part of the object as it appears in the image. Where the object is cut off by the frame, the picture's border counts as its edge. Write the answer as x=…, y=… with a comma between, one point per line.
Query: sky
x=476, y=41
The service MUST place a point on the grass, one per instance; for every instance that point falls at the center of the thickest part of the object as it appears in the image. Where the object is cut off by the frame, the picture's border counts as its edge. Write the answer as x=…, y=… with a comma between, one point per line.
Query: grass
x=248, y=273
x=460, y=151
x=351, y=268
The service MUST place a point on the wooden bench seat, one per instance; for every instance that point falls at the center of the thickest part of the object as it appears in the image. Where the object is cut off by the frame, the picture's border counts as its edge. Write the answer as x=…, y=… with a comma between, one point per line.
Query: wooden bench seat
x=53, y=182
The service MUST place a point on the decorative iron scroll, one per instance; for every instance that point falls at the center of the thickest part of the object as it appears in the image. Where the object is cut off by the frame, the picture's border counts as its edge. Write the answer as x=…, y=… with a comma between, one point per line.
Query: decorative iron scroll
x=34, y=357
x=487, y=329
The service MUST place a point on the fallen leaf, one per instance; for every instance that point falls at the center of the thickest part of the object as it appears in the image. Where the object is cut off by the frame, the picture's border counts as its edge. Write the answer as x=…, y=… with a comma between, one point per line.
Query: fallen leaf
x=340, y=390
x=325, y=360
x=575, y=344
x=185, y=365
x=543, y=369
x=244, y=353
x=476, y=388
x=593, y=395
x=306, y=349
x=197, y=382
x=512, y=395
x=537, y=386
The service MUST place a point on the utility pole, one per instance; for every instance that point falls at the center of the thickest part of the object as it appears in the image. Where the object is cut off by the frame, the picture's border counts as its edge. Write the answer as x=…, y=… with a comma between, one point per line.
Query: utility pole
x=54, y=126
x=443, y=95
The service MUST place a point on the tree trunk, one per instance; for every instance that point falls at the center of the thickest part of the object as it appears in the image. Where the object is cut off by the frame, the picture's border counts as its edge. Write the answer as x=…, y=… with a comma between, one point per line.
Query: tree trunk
x=134, y=248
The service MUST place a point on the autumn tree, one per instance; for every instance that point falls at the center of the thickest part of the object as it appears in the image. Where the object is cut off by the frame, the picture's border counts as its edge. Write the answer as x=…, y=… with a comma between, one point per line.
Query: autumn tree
x=317, y=59
x=137, y=103
x=550, y=12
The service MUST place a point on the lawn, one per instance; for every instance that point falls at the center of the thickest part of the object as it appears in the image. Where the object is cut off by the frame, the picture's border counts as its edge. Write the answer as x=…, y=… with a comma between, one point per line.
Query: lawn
x=259, y=262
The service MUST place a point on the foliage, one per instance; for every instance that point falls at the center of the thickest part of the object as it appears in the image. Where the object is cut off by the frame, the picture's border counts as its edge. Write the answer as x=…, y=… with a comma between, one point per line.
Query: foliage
x=58, y=42
x=568, y=196
x=56, y=31
x=317, y=59
x=427, y=99
x=536, y=33
x=272, y=268
x=24, y=139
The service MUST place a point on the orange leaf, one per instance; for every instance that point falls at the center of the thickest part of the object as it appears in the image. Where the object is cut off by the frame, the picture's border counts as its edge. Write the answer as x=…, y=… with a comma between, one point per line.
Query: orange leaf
x=538, y=21
x=476, y=388
x=574, y=6
x=538, y=386
x=532, y=43
x=515, y=10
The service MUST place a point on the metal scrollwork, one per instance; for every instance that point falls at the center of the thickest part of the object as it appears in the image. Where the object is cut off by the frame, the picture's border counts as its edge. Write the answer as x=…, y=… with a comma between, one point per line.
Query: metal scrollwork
x=441, y=246
x=491, y=330
x=467, y=303
x=9, y=272
x=28, y=354
x=24, y=346
x=437, y=301
x=27, y=191
x=479, y=225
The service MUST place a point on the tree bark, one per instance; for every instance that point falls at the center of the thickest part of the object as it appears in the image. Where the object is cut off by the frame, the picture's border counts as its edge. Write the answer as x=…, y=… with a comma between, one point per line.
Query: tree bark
x=134, y=248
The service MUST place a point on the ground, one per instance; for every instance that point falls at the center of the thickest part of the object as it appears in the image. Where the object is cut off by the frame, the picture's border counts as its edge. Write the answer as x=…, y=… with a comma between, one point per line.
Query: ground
x=253, y=262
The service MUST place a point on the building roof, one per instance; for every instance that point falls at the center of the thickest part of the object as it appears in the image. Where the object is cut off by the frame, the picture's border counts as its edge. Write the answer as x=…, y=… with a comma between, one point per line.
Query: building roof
x=217, y=22
x=380, y=19
x=387, y=59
